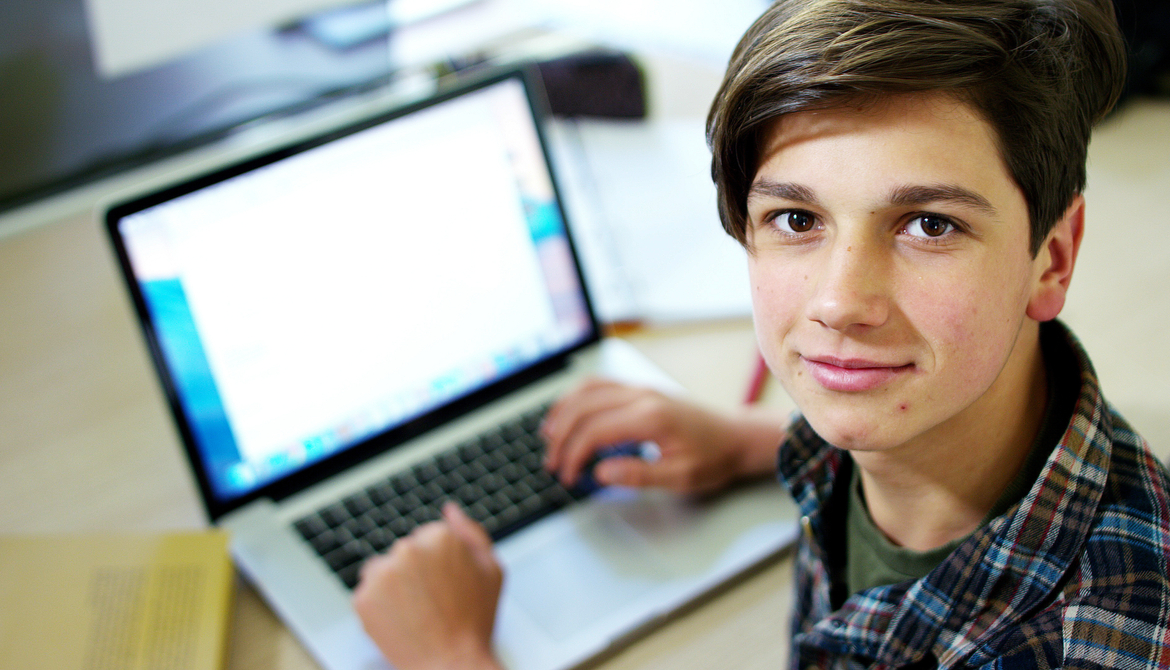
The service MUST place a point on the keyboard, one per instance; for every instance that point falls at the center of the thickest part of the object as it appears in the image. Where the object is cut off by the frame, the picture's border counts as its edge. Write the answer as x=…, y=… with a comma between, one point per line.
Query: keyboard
x=497, y=477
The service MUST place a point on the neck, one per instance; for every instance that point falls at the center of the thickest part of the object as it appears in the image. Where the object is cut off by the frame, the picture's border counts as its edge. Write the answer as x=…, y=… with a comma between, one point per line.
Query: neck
x=941, y=486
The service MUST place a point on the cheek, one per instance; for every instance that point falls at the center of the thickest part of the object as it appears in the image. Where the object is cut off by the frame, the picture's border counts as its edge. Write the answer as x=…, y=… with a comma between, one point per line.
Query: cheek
x=777, y=290
x=970, y=327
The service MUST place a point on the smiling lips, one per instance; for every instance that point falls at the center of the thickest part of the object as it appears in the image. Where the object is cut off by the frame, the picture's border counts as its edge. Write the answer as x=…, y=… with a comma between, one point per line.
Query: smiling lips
x=853, y=374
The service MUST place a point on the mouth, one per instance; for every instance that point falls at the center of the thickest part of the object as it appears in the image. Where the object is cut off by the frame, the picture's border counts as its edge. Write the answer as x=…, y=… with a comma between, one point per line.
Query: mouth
x=854, y=374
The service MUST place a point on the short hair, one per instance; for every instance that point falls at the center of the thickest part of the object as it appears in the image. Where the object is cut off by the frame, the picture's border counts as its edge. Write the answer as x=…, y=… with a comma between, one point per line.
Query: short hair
x=1040, y=72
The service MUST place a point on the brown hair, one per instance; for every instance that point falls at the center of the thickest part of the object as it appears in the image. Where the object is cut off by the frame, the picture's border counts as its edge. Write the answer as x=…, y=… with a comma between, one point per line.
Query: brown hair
x=1041, y=72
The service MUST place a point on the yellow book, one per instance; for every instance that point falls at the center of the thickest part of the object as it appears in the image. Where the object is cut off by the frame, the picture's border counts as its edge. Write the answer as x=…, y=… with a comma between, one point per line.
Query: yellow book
x=100, y=602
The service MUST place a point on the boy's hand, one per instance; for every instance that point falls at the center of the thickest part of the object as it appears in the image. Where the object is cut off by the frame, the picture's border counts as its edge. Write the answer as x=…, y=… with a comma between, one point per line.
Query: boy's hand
x=430, y=602
x=700, y=451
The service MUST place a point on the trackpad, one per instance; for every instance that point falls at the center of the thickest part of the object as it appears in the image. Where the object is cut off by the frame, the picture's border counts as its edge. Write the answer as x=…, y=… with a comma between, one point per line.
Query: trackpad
x=575, y=571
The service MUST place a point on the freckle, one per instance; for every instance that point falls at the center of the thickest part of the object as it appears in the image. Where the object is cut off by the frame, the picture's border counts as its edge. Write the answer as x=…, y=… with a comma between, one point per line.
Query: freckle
x=848, y=248
x=903, y=407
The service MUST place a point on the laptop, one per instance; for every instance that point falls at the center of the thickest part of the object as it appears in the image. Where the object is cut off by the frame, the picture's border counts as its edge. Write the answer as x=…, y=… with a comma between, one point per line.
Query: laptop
x=354, y=328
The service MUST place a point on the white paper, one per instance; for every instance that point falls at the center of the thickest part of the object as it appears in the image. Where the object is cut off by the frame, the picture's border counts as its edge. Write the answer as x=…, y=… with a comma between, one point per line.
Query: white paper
x=642, y=207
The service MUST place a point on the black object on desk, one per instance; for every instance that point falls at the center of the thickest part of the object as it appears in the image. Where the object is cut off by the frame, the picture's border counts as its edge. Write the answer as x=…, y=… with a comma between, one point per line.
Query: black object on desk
x=594, y=83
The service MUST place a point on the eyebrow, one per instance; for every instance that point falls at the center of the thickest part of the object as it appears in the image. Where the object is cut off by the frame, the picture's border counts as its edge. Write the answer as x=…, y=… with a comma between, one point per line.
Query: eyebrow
x=910, y=196
x=783, y=191
x=902, y=196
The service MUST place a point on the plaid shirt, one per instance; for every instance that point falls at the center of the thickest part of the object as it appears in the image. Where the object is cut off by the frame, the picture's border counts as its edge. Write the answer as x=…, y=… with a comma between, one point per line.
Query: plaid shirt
x=1077, y=575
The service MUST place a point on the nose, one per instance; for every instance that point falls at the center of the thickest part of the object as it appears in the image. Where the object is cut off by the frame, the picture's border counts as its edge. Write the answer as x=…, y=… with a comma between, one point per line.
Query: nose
x=852, y=287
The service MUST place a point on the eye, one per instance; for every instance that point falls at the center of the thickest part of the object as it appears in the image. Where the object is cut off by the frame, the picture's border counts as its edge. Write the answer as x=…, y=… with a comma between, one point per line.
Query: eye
x=794, y=221
x=929, y=225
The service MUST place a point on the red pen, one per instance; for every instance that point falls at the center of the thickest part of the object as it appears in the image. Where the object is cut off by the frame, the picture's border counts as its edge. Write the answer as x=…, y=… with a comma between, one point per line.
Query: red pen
x=756, y=385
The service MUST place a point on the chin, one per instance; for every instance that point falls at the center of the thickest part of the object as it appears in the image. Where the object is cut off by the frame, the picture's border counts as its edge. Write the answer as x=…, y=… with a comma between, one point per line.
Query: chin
x=847, y=431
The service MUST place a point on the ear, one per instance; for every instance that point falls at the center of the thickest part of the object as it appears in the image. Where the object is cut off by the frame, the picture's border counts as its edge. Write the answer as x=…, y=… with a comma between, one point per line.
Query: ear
x=1054, y=263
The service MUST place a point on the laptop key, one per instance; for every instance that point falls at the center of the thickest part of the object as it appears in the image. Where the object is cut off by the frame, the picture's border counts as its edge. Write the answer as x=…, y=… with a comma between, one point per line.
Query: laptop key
x=325, y=543
x=344, y=556
x=379, y=539
x=512, y=473
x=401, y=526
x=405, y=482
x=311, y=526
x=556, y=496
x=380, y=493
x=431, y=493
x=424, y=515
x=426, y=471
x=335, y=515
x=478, y=511
x=350, y=576
x=449, y=461
x=358, y=505
x=360, y=526
x=407, y=503
x=381, y=516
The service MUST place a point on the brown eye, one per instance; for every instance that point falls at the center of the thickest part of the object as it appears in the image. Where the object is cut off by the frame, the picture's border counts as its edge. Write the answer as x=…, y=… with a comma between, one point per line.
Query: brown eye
x=796, y=222
x=934, y=226
x=928, y=225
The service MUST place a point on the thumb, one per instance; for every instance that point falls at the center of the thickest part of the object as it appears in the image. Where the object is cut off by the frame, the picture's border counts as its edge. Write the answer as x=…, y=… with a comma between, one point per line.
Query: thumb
x=630, y=471
x=467, y=530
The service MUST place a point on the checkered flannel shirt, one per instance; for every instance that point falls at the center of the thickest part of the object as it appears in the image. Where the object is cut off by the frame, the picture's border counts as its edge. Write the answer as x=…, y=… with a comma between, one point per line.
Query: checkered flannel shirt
x=1077, y=575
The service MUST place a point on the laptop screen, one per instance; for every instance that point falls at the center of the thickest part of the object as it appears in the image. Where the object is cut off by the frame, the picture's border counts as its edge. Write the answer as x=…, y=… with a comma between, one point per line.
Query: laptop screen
x=323, y=295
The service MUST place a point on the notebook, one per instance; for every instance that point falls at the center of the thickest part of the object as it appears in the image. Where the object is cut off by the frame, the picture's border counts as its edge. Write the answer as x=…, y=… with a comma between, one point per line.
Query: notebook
x=354, y=328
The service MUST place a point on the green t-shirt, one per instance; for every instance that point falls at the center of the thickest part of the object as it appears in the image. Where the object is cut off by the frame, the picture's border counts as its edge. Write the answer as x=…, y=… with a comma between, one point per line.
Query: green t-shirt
x=872, y=560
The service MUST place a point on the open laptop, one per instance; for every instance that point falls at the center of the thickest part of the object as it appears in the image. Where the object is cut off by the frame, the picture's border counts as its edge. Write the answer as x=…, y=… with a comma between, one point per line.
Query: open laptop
x=355, y=328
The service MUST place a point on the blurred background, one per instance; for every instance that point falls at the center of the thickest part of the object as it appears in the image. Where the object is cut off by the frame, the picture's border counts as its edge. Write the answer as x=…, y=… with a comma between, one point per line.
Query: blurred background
x=92, y=88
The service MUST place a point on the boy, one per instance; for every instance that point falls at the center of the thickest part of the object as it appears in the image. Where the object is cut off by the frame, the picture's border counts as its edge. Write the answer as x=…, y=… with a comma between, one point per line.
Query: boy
x=906, y=178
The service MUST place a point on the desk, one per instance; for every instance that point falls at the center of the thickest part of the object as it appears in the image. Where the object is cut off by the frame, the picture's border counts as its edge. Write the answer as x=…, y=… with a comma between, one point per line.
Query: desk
x=87, y=443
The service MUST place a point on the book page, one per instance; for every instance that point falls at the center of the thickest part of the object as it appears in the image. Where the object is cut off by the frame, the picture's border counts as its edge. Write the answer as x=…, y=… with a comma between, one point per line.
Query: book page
x=100, y=602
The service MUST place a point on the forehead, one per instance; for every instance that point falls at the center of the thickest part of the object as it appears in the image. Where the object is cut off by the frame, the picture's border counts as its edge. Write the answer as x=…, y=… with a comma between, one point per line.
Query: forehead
x=922, y=138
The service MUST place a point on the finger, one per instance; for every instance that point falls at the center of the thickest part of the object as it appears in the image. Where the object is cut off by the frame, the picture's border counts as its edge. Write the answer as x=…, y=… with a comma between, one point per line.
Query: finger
x=673, y=474
x=623, y=471
x=468, y=530
x=592, y=396
x=636, y=472
x=369, y=565
x=589, y=386
x=561, y=421
x=634, y=421
x=425, y=540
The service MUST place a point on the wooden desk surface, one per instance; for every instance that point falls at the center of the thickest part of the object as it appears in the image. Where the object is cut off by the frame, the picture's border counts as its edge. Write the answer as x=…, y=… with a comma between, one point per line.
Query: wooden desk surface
x=86, y=442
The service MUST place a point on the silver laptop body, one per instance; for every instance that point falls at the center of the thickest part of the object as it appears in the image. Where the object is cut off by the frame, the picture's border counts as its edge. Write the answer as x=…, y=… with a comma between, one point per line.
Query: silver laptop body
x=335, y=312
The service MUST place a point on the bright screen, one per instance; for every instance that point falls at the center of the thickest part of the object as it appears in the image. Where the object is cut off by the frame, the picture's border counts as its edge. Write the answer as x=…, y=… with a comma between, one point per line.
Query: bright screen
x=325, y=298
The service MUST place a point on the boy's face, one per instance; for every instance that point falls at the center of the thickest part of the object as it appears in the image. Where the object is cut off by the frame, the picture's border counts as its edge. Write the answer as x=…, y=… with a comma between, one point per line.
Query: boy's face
x=891, y=272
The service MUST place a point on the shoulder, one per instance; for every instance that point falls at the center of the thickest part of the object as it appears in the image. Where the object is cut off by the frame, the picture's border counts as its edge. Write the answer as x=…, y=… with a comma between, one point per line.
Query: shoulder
x=1131, y=529
x=1110, y=605
x=1116, y=605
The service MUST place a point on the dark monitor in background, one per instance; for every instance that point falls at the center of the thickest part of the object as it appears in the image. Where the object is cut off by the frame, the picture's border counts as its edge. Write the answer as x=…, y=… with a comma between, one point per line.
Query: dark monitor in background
x=62, y=124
